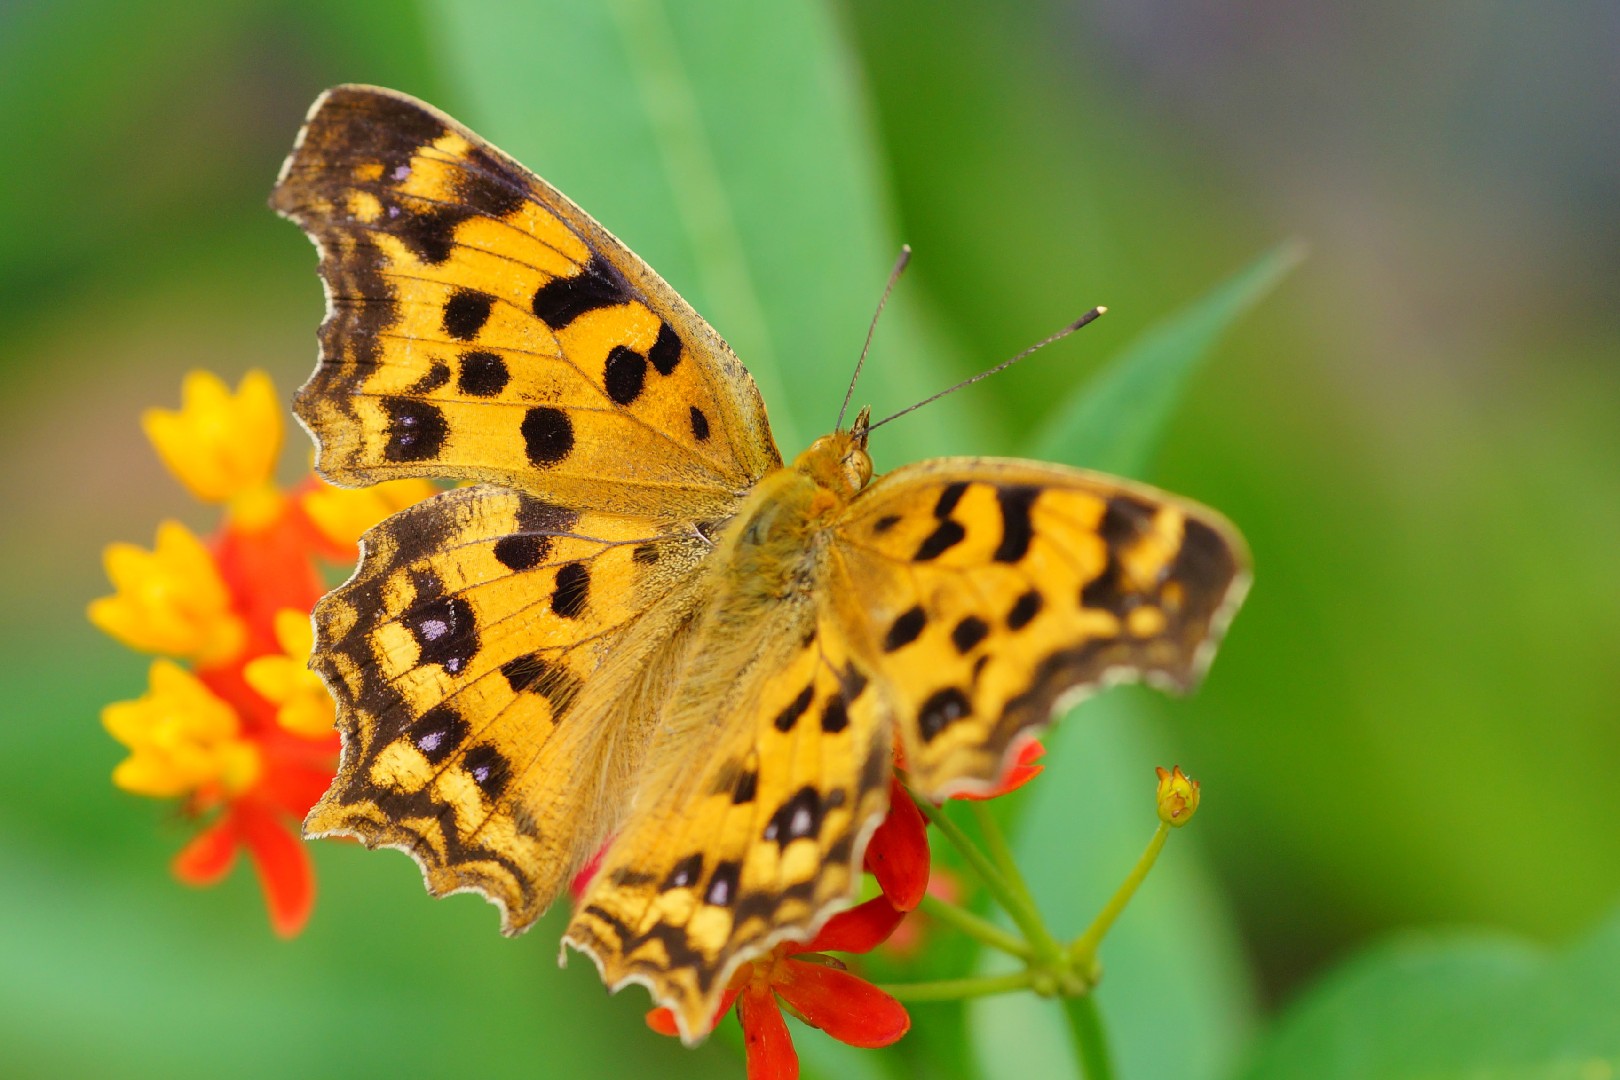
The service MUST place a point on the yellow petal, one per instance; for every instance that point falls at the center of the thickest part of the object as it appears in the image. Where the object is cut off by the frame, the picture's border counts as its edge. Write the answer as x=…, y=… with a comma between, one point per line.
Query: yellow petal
x=169, y=600
x=219, y=444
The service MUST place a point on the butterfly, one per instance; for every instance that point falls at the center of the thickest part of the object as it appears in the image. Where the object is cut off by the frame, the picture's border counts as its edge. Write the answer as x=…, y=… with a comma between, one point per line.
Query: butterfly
x=634, y=624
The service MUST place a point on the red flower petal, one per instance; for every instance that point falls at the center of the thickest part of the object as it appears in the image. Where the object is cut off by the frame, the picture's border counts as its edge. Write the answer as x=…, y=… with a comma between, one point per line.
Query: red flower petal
x=860, y=929
x=266, y=570
x=283, y=867
x=1020, y=772
x=898, y=854
x=662, y=1021
x=209, y=855
x=582, y=880
x=845, y=1006
x=765, y=1036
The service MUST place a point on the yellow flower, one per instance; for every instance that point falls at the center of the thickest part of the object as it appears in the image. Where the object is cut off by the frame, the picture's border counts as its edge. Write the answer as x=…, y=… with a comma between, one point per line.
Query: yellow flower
x=303, y=705
x=223, y=446
x=1178, y=797
x=343, y=514
x=180, y=737
x=169, y=600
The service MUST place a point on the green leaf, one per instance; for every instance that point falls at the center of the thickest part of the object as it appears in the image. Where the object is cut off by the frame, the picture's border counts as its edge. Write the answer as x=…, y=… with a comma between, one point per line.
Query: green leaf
x=727, y=145
x=1453, y=1005
x=1115, y=421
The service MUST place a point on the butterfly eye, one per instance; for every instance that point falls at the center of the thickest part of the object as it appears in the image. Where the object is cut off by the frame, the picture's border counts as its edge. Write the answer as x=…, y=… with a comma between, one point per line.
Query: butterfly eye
x=857, y=469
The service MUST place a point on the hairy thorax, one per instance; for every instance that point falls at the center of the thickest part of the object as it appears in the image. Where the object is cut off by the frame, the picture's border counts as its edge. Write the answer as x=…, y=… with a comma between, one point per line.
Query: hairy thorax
x=775, y=546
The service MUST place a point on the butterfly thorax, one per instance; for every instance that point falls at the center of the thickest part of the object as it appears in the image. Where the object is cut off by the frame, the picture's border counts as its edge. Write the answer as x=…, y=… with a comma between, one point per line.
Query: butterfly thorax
x=776, y=540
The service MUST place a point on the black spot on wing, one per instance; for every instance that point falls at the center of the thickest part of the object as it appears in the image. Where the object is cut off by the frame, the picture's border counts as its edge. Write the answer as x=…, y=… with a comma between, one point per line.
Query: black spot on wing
x=967, y=634
x=1024, y=610
x=429, y=234
x=834, y=714
x=798, y=818
x=942, y=709
x=466, y=312
x=700, y=425
x=948, y=498
x=794, y=709
x=548, y=435
x=905, y=629
x=572, y=591
x=445, y=632
x=485, y=185
x=666, y=351
x=483, y=374
x=524, y=551
x=437, y=377
x=685, y=873
x=1109, y=591
x=438, y=732
x=624, y=374
x=1017, y=530
x=488, y=768
x=944, y=537
x=416, y=430
x=534, y=674
x=562, y=300
x=722, y=890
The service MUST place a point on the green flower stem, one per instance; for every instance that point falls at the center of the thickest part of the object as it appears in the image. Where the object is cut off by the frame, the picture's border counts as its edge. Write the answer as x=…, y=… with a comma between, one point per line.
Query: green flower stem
x=974, y=927
x=1000, y=853
x=958, y=989
x=1020, y=911
x=1084, y=950
x=1090, y=1041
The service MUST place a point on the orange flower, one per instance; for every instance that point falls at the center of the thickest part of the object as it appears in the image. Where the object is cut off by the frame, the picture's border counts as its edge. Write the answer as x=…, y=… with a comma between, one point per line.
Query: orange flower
x=816, y=988
x=245, y=738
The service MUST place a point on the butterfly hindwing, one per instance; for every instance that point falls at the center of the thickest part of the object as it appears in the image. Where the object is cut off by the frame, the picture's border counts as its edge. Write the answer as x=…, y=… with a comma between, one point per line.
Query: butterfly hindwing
x=758, y=839
x=482, y=327
x=992, y=589
x=467, y=655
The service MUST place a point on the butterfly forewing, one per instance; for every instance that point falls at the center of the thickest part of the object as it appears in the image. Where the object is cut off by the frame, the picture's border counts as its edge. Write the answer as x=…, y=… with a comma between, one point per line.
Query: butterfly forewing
x=992, y=589
x=481, y=326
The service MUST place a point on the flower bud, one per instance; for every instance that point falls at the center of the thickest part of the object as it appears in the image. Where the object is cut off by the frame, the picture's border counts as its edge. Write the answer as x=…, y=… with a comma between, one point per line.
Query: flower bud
x=1178, y=797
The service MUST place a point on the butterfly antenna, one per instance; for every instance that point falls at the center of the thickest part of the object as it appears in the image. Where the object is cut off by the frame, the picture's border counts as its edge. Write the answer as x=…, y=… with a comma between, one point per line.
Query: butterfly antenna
x=1091, y=316
x=894, y=276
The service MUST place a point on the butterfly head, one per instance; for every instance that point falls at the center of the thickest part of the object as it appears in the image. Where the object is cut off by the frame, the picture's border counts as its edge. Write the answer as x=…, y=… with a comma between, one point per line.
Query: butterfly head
x=839, y=462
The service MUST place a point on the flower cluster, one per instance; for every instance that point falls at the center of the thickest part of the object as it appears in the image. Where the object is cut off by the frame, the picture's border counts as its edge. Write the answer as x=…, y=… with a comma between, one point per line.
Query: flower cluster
x=233, y=723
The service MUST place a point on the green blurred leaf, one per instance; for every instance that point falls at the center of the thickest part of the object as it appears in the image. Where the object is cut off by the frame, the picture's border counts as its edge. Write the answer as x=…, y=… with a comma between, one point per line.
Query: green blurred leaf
x=728, y=146
x=1452, y=1005
x=1114, y=421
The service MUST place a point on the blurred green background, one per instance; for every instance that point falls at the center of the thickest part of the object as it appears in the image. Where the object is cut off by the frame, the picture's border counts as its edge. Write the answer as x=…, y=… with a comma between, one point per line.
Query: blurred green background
x=1414, y=721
